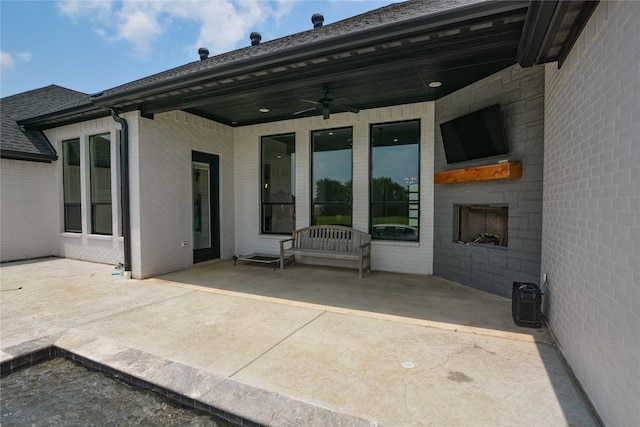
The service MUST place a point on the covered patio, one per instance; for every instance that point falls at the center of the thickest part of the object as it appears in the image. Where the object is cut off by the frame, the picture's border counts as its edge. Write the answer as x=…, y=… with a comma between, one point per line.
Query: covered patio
x=307, y=345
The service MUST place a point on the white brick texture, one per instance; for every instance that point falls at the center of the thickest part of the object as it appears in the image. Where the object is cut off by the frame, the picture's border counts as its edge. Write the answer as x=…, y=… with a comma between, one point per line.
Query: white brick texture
x=28, y=210
x=161, y=193
x=388, y=256
x=591, y=212
x=45, y=185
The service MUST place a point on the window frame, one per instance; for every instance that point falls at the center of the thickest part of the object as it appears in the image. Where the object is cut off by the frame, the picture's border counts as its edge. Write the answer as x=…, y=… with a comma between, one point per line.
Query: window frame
x=94, y=205
x=66, y=204
x=312, y=204
x=408, y=201
x=265, y=180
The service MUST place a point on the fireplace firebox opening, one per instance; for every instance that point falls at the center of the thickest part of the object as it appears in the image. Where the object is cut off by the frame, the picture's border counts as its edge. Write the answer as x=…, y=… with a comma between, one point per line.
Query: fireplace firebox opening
x=482, y=224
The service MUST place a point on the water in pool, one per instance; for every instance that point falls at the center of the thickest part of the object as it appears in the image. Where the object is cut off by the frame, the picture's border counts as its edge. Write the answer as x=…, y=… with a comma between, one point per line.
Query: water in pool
x=61, y=393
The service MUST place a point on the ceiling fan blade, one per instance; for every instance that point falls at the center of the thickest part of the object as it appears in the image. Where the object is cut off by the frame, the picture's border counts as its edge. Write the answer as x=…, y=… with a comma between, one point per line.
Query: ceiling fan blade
x=325, y=105
x=304, y=111
x=346, y=108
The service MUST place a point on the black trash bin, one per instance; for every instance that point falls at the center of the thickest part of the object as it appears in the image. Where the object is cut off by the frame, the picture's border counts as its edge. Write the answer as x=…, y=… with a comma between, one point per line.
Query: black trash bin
x=526, y=302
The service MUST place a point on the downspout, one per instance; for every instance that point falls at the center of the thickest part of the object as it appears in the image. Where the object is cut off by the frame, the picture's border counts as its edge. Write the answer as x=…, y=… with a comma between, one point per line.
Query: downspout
x=124, y=180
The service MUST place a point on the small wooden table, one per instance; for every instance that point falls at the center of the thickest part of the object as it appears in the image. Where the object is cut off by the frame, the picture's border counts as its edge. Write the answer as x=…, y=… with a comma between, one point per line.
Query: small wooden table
x=274, y=260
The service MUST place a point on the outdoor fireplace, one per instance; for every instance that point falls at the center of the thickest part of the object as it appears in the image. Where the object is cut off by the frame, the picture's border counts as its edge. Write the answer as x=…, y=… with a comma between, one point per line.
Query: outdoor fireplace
x=482, y=224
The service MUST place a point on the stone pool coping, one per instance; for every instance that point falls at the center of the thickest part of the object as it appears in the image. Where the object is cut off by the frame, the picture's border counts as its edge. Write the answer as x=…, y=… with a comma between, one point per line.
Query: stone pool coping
x=238, y=403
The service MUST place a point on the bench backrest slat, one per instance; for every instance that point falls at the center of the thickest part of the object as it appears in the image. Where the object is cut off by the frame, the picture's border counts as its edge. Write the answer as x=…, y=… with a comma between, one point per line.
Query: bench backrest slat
x=330, y=237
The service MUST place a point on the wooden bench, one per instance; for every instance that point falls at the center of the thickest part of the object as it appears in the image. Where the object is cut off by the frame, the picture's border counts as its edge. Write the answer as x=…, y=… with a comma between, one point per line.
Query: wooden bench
x=329, y=241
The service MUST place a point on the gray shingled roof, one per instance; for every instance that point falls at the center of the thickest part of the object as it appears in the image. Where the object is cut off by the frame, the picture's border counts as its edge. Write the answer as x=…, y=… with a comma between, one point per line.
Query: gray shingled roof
x=358, y=29
x=23, y=144
x=180, y=87
x=330, y=33
x=368, y=21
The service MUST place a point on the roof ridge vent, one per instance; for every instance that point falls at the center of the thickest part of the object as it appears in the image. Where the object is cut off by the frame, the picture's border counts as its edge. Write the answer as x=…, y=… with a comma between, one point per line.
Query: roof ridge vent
x=255, y=38
x=317, y=19
x=204, y=53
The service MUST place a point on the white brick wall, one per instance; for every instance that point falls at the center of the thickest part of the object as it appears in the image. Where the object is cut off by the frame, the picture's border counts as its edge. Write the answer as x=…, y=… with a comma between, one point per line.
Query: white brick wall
x=86, y=246
x=29, y=214
x=160, y=187
x=388, y=256
x=161, y=194
x=591, y=222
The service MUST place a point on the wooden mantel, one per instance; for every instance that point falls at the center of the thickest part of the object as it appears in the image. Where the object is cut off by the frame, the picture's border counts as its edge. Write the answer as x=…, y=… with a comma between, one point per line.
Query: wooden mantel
x=504, y=170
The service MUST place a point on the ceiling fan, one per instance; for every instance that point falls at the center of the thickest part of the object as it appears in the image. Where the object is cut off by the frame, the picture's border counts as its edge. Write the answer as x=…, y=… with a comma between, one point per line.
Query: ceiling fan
x=324, y=104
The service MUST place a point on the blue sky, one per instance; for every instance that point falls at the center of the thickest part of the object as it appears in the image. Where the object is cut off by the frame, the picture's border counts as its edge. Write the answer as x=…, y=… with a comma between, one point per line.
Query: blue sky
x=90, y=46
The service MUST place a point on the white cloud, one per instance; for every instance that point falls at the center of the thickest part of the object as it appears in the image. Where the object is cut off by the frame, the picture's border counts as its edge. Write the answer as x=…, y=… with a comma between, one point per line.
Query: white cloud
x=283, y=9
x=222, y=23
x=24, y=56
x=8, y=61
x=140, y=29
x=92, y=9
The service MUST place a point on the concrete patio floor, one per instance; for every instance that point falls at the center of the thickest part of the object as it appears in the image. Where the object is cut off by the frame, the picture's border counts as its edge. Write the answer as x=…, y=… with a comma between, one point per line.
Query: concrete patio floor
x=303, y=346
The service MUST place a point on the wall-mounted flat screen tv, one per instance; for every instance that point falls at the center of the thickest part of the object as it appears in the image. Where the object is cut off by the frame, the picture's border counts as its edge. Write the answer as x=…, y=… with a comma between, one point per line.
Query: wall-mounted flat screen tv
x=474, y=136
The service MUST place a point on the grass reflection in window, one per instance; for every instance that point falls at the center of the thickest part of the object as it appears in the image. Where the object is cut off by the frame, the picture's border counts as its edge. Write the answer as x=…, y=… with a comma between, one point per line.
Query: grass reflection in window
x=395, y=191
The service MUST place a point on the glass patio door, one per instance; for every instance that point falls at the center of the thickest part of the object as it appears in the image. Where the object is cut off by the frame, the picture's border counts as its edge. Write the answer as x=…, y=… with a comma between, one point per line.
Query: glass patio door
x=205, y=199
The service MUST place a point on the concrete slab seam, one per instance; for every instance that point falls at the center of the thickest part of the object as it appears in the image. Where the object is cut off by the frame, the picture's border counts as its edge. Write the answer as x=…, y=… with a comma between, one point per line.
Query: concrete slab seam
x=275, y=345
x=381, y=316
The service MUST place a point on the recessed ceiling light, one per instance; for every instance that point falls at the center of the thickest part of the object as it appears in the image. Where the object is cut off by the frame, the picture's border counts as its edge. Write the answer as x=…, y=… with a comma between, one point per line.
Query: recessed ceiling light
x=435, y=84
x=264, y=110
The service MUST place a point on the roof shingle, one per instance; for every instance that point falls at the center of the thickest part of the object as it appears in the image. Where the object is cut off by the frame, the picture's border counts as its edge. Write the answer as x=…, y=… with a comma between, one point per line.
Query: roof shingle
x=387, y=15
x=18, y=143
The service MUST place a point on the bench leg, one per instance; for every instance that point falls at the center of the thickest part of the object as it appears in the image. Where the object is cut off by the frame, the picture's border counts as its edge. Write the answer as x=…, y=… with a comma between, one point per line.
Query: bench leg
x=283, y=260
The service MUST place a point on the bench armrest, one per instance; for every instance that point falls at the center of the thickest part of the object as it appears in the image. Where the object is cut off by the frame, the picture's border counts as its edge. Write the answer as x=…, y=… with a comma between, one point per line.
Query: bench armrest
x=282, y=242
x=365, y=245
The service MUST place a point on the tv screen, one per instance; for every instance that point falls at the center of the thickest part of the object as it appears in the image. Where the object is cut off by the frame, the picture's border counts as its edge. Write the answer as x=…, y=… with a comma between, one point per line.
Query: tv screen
x=474, y=136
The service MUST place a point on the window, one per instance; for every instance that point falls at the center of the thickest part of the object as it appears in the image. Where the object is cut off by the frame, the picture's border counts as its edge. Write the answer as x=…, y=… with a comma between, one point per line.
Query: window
x=278, y=184
x=71, y=184
x=395, y=166
x=100, y=176
x=331, y=177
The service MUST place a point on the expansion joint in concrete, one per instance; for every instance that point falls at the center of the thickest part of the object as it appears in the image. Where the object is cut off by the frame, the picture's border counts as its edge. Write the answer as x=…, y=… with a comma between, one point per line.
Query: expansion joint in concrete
x=275, y=345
